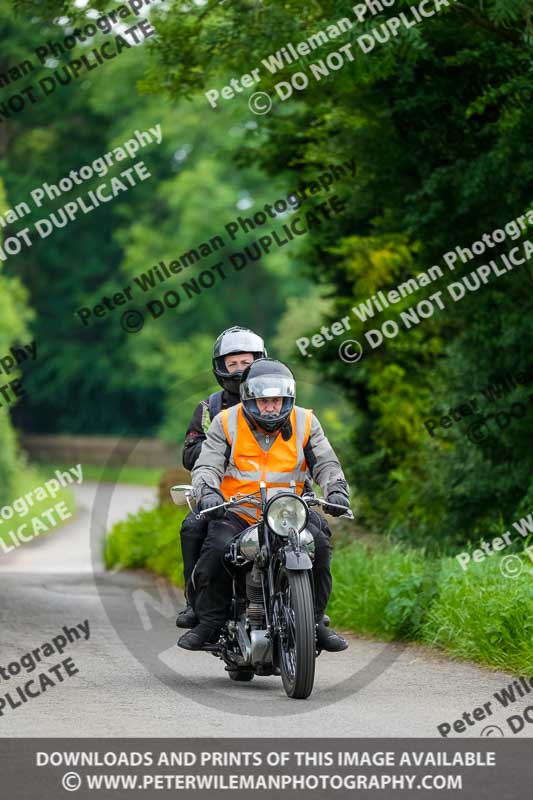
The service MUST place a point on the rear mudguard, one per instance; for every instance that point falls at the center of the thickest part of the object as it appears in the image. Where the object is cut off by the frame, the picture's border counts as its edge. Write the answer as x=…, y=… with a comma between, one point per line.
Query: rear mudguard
x=297, y=561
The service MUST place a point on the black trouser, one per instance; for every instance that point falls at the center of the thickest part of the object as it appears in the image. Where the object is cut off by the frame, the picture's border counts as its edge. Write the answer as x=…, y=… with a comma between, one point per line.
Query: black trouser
x=212, y=579
x=321, y=522
x=193, y=532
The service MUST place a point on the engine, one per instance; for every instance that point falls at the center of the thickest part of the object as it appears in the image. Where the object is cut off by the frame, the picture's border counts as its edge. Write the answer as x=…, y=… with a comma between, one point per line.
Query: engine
x=255, y=610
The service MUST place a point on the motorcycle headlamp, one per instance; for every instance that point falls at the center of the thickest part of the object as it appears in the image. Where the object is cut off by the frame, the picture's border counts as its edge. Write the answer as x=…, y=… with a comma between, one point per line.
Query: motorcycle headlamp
x=286, y=511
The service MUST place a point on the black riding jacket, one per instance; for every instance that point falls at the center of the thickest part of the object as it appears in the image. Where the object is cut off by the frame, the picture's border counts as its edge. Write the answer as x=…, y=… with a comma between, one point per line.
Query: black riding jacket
x=200, y=422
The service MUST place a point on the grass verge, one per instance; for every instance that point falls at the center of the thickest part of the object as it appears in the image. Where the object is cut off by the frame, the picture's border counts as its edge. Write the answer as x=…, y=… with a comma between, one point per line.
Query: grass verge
x=139, y=476
x=398, y=593
x=28, y=480
x=391, y=592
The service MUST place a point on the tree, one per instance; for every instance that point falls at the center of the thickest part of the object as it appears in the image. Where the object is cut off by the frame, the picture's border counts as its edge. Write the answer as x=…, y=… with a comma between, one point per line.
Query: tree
x=14, y=319
x=96, y=378
x=437, y=120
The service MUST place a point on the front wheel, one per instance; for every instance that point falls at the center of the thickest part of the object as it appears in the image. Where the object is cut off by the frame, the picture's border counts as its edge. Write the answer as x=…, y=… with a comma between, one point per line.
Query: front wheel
x=296, y=616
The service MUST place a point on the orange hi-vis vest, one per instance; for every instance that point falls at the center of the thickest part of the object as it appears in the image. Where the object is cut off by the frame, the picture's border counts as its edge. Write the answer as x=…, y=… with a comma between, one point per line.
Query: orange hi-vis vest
x=249, y=463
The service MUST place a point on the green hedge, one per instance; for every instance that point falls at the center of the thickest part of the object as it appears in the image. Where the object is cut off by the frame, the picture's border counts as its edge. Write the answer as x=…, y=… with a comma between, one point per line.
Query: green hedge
x=148, y=539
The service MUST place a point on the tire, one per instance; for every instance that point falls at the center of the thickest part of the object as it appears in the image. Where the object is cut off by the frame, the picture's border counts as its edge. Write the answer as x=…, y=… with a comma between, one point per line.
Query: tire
x=241, y=674
x=296, y=644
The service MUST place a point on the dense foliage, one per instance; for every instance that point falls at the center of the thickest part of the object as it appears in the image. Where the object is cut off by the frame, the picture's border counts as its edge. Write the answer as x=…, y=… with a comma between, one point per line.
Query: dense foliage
x=148, y=540
x=14, y=318
x=97, y=378
x=439, y=121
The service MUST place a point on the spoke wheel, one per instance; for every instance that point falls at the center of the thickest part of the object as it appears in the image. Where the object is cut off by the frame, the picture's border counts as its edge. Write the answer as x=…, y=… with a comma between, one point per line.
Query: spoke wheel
x=297, y=633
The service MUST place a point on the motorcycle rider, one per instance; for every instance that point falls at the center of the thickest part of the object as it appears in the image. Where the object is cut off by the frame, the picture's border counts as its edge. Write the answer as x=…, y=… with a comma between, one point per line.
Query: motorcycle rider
x=233, y=351
x=266, y=426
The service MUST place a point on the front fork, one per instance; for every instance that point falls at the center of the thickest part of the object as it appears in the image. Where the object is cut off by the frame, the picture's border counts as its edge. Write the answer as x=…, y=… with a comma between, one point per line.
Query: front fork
x=298, y=558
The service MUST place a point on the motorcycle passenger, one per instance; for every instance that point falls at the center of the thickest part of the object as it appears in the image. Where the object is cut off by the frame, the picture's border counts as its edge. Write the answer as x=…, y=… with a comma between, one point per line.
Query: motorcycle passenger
x=264, y=437
x=233, y=351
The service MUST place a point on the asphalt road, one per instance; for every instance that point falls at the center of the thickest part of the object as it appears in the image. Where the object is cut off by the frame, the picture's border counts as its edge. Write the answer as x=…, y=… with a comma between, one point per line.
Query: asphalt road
x=134, y=681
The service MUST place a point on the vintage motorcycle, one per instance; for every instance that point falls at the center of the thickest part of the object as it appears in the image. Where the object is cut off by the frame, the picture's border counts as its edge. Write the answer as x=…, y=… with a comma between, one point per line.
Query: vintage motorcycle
x=271, y=626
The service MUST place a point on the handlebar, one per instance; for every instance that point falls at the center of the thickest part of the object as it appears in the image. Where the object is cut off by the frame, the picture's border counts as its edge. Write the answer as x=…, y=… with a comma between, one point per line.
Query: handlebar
x=310, y=498
x=234, y=500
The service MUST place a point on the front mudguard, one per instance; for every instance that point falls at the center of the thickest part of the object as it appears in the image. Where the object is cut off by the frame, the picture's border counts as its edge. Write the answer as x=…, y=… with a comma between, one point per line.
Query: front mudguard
x=297, y=561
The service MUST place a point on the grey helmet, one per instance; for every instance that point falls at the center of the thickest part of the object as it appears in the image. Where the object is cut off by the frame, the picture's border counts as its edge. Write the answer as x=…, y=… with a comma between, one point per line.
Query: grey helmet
x=267, y=378
x=231, y=341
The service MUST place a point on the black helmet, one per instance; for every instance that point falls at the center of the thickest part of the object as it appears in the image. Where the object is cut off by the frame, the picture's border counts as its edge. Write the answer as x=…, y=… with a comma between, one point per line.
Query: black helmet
x=267, y=377
x=235, y=340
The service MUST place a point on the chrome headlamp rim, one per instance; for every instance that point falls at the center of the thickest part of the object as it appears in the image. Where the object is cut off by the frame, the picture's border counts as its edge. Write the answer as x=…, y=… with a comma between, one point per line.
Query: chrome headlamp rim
x=279, y=497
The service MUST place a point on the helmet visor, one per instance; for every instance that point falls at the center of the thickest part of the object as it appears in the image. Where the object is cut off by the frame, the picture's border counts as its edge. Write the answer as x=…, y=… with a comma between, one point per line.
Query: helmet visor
x=239, y=342
x=268, y=386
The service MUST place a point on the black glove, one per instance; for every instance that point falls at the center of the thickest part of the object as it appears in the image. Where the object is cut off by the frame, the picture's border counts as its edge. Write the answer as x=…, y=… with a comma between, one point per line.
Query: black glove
x=339, y=499
x=211, y=497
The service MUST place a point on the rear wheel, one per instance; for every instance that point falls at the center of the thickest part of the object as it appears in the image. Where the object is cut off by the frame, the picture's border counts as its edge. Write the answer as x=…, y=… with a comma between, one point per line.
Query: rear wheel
x=297, y=635
x=240, y=674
